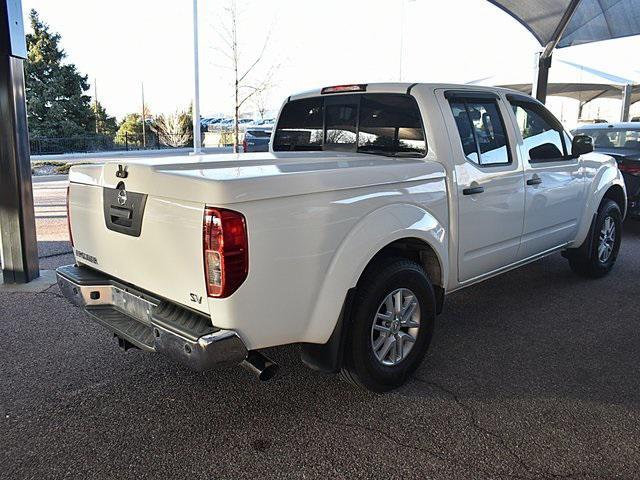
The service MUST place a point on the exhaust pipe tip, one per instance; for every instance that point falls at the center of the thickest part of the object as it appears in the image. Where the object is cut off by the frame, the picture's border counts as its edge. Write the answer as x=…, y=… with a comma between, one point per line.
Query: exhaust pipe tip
x=260, y=365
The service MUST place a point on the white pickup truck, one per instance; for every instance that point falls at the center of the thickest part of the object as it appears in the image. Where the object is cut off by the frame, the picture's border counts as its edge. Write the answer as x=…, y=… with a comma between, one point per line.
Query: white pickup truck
x=374, y=202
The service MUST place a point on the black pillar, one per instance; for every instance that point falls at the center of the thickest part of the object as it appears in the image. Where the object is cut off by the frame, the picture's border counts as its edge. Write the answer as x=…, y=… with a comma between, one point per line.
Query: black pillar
x=541, y=81
x=17, y=218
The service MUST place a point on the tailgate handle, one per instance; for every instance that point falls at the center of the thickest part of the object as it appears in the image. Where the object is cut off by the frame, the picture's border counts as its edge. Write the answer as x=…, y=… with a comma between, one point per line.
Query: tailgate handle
x=121, y=216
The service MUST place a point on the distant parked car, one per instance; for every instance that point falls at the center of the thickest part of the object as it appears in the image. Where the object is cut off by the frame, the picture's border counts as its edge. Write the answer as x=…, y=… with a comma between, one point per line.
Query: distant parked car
x=622, y=142
x=256, y=138
x=264, y=122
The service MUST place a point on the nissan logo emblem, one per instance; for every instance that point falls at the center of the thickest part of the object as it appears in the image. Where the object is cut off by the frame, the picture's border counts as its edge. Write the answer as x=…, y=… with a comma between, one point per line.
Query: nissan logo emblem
x=122, y=197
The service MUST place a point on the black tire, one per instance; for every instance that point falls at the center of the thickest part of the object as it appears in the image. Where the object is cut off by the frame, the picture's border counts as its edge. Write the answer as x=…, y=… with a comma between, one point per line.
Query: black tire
x=586, y=260
x=382, y=277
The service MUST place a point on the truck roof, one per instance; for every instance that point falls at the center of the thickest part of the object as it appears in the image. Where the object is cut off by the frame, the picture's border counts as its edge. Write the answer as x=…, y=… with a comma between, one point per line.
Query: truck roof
x=403, y=87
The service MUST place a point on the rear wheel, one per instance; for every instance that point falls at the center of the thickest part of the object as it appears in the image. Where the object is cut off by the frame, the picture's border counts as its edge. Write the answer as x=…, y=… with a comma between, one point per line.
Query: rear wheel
x=391, y=324
x=596, y=257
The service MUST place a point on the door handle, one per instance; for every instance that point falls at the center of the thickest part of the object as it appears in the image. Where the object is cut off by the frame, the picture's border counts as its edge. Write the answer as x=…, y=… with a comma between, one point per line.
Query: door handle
x=121, y=216
x=472, y=190
x=535, y=180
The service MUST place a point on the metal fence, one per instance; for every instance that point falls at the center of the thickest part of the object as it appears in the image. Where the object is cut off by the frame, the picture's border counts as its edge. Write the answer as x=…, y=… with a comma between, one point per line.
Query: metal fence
x=105, y=143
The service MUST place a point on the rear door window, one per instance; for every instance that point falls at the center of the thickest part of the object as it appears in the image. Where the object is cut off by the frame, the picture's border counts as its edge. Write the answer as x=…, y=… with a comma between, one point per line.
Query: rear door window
x=380, y=123
x=482, y=131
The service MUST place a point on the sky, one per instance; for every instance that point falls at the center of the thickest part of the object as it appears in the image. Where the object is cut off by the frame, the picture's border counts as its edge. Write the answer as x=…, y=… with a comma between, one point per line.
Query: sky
x=122, y=44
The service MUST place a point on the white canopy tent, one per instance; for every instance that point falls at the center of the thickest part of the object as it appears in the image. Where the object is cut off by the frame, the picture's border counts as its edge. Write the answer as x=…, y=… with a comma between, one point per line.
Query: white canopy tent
x=564, y=23
x=578, y=82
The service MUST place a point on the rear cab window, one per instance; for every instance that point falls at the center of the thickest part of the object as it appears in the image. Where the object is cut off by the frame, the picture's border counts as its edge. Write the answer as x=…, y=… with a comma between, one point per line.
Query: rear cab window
x=378, y=123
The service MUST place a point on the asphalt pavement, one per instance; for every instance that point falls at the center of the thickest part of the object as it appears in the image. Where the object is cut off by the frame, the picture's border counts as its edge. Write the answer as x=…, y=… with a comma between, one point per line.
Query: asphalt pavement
x=533, y=374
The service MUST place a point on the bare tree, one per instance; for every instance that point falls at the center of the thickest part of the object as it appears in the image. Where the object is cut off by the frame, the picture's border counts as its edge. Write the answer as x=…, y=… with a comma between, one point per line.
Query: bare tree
x=260, y=102
x=173, y=129
x=246, y=85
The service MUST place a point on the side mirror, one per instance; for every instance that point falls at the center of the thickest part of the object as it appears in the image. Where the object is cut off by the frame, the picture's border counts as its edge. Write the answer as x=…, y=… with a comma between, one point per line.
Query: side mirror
x=581, y=144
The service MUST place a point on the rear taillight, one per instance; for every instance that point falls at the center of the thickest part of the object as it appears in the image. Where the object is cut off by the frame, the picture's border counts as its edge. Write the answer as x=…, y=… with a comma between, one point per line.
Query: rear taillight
x=245, y=146
x=226, y=251
x=630, y=168
x=69, y=219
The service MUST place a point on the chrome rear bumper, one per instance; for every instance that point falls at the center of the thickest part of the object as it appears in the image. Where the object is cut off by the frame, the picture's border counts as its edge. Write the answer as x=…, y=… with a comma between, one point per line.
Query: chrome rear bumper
x=149, y=323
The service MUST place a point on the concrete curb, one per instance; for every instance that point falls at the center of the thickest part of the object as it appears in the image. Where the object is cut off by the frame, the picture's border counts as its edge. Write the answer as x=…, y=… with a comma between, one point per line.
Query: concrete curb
x=49, y=178
x=98, y=156
x=46, y=279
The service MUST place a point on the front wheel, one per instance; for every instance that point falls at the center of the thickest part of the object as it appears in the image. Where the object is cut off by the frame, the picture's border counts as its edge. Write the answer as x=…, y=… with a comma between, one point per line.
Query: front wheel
x=596, y=257
x=391, y=324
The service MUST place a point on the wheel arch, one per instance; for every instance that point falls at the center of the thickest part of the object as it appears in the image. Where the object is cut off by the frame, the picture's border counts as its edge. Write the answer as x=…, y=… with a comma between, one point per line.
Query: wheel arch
x=416, y=235
x=606, y=183
x=617, y=194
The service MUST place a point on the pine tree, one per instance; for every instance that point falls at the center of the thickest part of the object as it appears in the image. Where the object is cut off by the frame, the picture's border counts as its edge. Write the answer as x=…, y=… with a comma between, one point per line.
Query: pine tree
x=56, y=102
x=105, y=125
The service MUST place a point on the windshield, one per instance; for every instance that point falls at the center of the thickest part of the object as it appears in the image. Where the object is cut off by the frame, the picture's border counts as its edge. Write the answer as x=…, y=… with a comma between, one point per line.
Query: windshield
x=628, y=138
x=380, y=123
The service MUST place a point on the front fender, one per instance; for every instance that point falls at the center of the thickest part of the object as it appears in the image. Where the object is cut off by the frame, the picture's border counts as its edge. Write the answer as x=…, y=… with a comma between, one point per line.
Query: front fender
x=370, y=235
x=601, y=173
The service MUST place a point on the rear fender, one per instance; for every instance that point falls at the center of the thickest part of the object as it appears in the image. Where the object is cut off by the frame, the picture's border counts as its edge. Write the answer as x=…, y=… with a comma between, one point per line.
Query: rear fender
x=370, y=235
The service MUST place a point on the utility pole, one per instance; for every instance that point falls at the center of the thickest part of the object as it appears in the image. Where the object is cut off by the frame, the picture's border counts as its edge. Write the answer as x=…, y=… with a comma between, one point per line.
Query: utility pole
x=404, y=2
x=197, y=134
x=402, y=15
x=18, y=245
x=144, y=120
x=95, y=102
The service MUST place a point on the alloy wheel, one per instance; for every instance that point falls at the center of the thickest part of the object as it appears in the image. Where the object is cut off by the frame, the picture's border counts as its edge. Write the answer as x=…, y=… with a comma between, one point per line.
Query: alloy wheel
x=607, y=239
x=395, y=327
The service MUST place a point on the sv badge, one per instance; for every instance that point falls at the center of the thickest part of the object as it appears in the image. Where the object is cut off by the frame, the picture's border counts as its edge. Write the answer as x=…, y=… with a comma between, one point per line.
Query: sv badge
x=195, y=298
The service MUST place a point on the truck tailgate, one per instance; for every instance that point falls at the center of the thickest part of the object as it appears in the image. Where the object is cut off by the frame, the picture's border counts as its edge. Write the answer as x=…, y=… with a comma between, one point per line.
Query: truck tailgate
x=152, y=242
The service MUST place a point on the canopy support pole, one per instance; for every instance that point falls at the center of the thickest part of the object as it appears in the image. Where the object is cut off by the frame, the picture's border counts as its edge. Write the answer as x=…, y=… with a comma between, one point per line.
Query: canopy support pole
x=195, y=113
x=18, y=245
x=541, y=76
x=543, y=59
x=626, y=102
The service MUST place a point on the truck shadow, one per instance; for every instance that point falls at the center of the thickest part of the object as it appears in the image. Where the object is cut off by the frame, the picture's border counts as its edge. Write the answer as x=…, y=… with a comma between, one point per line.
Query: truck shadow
x=542, y=331
x=529, y=368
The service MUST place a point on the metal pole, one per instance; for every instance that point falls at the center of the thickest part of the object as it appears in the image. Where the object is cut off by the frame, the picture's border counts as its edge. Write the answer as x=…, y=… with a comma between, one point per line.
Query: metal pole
x=580, y=108
x=197, y=134
x=144, y=123
x=402, y=17
x=626, y=102
x=18, y=245
x=404, y=2
x=541, y=76
x=543, y=59
x=95, y=102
